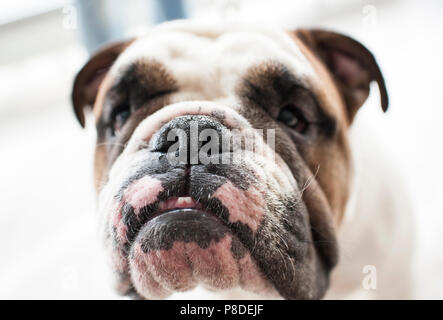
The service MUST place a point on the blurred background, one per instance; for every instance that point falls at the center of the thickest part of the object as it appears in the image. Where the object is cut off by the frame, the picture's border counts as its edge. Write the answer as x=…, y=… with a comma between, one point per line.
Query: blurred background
x=48, y=242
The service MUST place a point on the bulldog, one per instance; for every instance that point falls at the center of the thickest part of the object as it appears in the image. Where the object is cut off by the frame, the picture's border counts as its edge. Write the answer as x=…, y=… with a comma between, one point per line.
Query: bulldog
x=224, y=161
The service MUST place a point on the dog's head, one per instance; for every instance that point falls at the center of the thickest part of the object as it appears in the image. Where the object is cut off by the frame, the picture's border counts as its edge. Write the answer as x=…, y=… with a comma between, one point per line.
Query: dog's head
x=222, y=156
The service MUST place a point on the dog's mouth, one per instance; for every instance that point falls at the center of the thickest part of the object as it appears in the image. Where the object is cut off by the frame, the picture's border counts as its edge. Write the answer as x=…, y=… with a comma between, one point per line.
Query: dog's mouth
x=177, y=205
x=181, y=248
x=176, y=228
x=176, y=243
x=182, y=219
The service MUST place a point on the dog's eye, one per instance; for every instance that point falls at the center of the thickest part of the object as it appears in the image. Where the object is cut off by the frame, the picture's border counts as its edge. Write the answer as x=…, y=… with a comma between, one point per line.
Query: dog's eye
x=292, y=118
x=121, y=115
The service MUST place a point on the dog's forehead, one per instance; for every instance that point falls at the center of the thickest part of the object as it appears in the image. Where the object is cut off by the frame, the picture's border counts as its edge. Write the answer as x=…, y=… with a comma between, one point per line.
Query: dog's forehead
x=216, y=54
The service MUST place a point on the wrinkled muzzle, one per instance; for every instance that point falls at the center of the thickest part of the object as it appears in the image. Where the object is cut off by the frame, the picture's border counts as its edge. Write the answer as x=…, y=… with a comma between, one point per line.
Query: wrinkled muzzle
x=199, y=198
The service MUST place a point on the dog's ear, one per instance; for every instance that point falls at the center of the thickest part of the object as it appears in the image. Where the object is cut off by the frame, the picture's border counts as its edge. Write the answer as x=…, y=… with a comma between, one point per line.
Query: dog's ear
x=352, y=65
x=89, y=78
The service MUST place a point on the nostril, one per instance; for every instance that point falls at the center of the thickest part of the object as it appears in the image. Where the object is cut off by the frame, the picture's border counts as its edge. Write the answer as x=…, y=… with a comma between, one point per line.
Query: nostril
x=169, y=138
x=165, y=146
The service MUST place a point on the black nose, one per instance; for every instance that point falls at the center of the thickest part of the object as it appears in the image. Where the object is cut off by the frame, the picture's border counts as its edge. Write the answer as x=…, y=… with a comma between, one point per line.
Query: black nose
x=192, y=138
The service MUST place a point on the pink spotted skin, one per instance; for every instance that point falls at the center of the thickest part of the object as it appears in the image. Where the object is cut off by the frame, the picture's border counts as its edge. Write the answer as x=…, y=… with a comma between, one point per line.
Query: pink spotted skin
x=120, y=227
x=245, y=206
x=161, y=272
x=142, y=192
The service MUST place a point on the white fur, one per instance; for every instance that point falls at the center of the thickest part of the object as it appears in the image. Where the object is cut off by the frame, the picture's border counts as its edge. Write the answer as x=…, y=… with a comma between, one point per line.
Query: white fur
x=218, y=55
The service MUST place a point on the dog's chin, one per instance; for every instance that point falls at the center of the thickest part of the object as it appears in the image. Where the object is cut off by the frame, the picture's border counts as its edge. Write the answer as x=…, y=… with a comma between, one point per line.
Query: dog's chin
x=182, y=248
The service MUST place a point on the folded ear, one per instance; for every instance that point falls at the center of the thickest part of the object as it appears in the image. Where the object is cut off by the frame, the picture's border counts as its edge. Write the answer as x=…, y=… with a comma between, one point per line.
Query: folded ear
x=89, y=78
x=352, y=65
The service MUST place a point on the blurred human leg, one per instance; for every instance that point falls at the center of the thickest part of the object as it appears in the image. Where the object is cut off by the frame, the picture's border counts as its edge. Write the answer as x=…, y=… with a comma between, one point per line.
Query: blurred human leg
x=169, y=10
x=100, y=21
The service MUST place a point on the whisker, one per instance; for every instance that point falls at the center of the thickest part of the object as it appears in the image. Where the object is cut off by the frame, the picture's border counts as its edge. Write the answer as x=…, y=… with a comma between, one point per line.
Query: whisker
x=112, y=144
x=310, y=179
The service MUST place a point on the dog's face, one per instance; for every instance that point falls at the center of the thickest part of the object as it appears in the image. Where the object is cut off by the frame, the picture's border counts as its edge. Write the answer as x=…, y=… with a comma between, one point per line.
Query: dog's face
x=260, y=218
